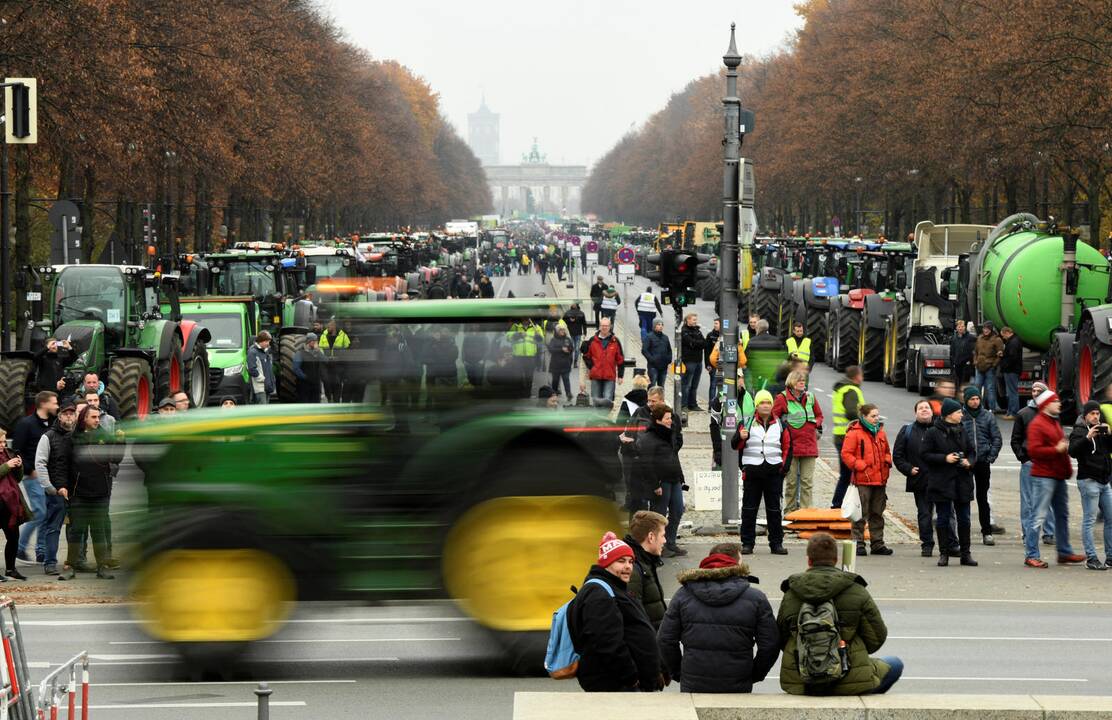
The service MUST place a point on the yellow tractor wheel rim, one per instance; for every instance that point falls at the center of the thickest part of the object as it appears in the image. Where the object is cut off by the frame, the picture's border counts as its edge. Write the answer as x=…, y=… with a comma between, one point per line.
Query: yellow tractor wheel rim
x=509, y=561
x=213, y=595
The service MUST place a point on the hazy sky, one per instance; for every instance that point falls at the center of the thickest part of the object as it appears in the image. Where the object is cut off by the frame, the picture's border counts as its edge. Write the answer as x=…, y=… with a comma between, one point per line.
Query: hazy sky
x=577, y=74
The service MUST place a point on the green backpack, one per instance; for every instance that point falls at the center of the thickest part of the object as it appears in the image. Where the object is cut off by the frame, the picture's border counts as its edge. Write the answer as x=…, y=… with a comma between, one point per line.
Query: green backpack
x=819, y=647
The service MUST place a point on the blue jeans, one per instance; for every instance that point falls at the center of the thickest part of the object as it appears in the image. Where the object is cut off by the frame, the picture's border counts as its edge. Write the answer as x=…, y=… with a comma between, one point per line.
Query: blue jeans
x=646, y=321
x=670, y=504
x=602, y=392
x=691, y=383
x=657, y=376
x=895, y=670
x=1011, y=382
x=715, y=382
x=575, y=340
x=1028, y=504
x=1095, y=495
x=1051, y=493
x=986, y=383
x=52, y=525
x=36, y=497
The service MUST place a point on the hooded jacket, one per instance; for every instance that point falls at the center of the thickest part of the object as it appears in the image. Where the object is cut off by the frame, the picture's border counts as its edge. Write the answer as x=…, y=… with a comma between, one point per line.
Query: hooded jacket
x=720, y=619
x=644, y=584
x=861, y=626
x=657, y=350
x=982, y=434
x=867, y=455
x=613, y=636
x=560, y=351
x=576, y=322
x=604, y=357
x=1019, y=431
x=947, y=482
x=1093, y=462
x=908, y=453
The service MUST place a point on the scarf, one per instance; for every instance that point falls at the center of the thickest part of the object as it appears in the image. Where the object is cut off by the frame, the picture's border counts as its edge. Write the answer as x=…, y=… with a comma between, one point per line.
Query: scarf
x=871, y=428
x=974, y=413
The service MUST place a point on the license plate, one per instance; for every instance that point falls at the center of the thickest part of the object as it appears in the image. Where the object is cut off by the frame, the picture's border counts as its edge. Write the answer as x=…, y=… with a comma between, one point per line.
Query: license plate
x=938, y=371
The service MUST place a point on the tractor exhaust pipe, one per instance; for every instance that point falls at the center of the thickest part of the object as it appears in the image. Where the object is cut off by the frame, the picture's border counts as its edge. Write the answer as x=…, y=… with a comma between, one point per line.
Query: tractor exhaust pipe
x=1069, y=277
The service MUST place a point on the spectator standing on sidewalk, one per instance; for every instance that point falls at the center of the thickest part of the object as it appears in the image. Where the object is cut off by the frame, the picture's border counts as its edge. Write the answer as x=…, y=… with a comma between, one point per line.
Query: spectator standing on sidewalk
x=657, y=349
x=844, y=402
x=616, y=643
x=984, y=438
x=1050, y=469
x=560, y=351
x=799, y=346
x=855, y=615
x=25, y=442
x=764, y=446
x=646, y=537
x=605, y=361
x=89, y=489
x=804, y=417
x=661, y=475
x=1090, y=445
x=950, y=459
x=724, y=625
x=710, y=345
x=987, y=352
x=12, y=512
x=962, y=346
x=261, y=369
x=907, y=454
x=608, y=308
x=1028, y=499
x=596, y=296
x=577, y=328
x=53, y=466
x=867, y=453
x=1011, y=365
x=692, y=345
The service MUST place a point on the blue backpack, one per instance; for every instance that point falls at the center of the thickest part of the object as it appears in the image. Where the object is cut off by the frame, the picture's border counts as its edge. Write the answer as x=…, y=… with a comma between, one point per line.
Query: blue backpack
x=561, y=660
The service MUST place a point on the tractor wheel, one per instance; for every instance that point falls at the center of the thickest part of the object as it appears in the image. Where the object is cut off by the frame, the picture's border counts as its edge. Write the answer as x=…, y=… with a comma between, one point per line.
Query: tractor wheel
x=870, y=350
x=911, y=379
x=1061, y=362
x=288, y=346
x=14, y=375
x=1094, y=365
x=130, y=384
x=848, y=323
x=815, y=322
x=197, y=376
x=831, y=339
x=765, y=305
x=895, y=345
x=783, y=311
x=169, y=378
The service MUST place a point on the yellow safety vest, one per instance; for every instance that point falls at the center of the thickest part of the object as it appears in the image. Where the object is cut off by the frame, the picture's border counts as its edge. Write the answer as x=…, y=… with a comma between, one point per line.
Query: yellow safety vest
x=800, y=348
x=524, y=340
x=745, y=338
x=799, y=414
x=342, y=342
x=838, y=401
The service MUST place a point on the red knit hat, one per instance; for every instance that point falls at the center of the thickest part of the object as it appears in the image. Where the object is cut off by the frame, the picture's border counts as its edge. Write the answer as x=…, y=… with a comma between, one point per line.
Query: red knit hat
x=1045, y=398
x=611, y=548
x=717, y=560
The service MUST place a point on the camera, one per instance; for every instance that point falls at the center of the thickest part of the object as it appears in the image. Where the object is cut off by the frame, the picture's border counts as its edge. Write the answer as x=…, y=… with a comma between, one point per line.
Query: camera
x=961, y=456
x=1102, y=429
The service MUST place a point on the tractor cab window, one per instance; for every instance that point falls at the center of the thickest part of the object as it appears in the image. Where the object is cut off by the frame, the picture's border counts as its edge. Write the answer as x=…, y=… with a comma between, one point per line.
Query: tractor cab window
x=332, y=266
x=89, y=292
x=246, y=278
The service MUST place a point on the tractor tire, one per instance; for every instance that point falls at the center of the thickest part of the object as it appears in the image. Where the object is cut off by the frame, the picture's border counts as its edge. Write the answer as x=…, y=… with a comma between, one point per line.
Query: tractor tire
x=169, y=376
x=911, y=377
x=288, y=346
x=895, y=345
x=131, y=386
x=848, y=328
x=814, y=319
x=765, y=304
x=1094, y=365
x=197, y=377
x=712, y=288
x=15, y=373
x=870, y=350
x=831, y=333
x=1061, y=363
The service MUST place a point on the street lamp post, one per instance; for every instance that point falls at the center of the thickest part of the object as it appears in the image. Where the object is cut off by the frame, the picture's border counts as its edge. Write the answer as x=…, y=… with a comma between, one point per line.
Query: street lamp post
x=728, y=261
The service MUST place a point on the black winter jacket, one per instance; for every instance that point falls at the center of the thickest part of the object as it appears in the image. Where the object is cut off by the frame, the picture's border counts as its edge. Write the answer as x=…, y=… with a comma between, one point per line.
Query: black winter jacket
x=644, y=584
x=94, y=453
x=720, y=619
x=1012, y=362
x=25, y=439
x=908, y=453
x=1019, y=431
x=614, y=638
x=657, y=350
x=559, y=360
x=692, y=344
x=982, y=434
x=708, y=348
x=576, y=322
x=947, y=481
x=1093, y=462
x=961, y=349
x=657, y=461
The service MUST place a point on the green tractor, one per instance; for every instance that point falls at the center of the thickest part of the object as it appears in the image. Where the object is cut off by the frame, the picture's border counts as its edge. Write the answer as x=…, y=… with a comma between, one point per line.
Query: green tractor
x=275, y=283
x=885, y=271
x=113, y=322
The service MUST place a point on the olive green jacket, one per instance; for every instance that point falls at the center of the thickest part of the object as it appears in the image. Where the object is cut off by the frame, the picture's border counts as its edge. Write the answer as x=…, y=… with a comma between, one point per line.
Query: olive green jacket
x=862, y=629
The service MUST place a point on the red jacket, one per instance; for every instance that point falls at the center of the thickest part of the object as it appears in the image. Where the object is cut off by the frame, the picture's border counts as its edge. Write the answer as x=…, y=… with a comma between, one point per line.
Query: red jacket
x=868, y=456
x=1043, y=433
x=805, y=440
x=604, y=363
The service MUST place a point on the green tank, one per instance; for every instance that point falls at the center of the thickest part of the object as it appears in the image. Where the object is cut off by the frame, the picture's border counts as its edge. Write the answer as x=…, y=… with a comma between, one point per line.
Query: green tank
x=1017, y=279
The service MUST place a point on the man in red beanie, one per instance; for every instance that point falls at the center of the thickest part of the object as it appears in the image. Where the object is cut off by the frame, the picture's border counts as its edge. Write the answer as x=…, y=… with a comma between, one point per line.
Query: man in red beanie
x=1050, y=468
x=610, y=630
x=720, y=619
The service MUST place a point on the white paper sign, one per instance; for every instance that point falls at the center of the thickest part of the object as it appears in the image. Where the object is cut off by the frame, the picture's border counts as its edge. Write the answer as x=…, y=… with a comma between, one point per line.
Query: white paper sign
x=113, y=315
x=625, y=269
x=592, y=258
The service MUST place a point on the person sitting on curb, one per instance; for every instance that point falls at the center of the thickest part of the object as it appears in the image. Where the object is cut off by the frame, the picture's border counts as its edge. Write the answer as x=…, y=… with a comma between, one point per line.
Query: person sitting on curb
x=725, y=626
x=828, y=620
x=616, y=643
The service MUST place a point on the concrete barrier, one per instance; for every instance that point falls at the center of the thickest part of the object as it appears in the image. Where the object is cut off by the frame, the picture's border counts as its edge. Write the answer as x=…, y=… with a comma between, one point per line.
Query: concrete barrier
x=575, y=705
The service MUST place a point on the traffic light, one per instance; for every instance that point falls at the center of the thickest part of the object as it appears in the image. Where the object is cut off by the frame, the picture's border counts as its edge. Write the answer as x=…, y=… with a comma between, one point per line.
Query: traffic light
x=21, y=110
x=683, y=271
x=654, y=270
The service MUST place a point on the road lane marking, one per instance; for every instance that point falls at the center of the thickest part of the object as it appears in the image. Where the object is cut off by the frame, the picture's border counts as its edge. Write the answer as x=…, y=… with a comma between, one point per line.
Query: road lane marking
x=301, y=640
x=324, y=621
x=256, y=661
x=1001, y=638
x=197, y=706
x=221, y=682
x=999, y=679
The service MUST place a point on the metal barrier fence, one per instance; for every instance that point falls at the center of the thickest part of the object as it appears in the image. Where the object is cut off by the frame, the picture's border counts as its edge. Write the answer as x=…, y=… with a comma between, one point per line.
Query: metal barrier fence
x=16, y=699
x=51, y=690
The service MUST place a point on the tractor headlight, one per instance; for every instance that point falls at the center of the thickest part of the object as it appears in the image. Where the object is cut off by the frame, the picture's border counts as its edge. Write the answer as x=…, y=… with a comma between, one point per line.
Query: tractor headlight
x=233, y=370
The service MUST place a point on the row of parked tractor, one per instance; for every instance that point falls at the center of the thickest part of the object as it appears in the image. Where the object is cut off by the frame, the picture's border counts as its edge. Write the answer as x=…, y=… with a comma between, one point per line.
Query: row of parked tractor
x=892, y=307
x=186, y=323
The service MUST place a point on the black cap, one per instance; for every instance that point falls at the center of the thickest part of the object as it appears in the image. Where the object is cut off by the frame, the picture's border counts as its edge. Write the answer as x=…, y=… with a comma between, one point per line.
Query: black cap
x=67, y=405
x=164, y=402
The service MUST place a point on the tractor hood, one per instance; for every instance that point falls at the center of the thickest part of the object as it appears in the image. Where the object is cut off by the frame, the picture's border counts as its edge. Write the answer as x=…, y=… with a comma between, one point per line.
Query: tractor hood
x=824, y=287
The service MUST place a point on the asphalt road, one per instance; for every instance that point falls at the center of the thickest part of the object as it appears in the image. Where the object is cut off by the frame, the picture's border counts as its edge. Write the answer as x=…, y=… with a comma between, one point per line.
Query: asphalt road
x=999, y=628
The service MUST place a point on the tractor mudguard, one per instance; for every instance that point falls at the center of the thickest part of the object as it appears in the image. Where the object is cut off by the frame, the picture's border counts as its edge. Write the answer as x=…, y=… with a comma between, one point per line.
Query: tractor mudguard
x=144, y=353
x=855, y=300
x=304, y=313
x=193, y=333
x=1101, y=316
x=16, y=354
x=877, y=308
x=818, y=291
